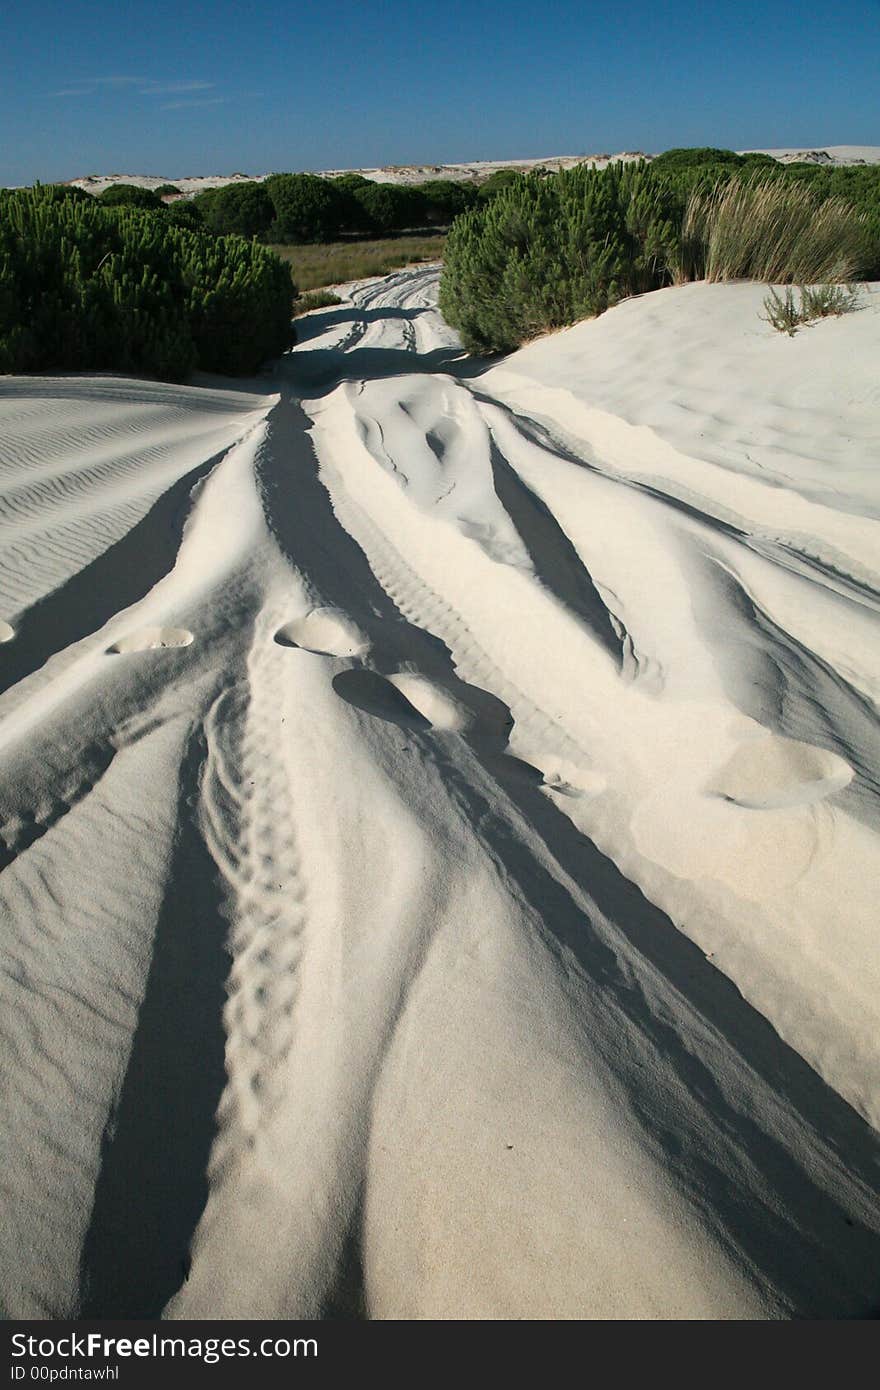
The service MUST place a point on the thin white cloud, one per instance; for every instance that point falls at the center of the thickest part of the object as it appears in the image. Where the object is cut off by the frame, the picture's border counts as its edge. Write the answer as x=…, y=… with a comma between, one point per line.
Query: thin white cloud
x=146, y=86
x=168, y=89
x=90, y=86
x=188, y=105
x=115, y=81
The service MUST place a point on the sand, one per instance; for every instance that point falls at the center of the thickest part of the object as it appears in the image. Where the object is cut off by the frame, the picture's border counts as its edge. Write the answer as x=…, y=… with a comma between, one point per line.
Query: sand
x=472, y=171
x=438, y=807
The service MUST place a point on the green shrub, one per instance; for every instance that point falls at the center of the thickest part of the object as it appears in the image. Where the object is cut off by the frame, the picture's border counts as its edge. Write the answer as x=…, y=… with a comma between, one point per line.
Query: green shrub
x=859, y=185
x=84, y=286
x=185, y=214
x=389, y=207
x=782, y=312
x=63, y=192
x=776, y=230
x=239, y=303
x=544, y=252
x=129, y=195
x=201, y=202
x=239, y=209
x=442, y=201
x=693, y=158
x=502, y=178
x=306, y=208
x=166, y=190
x=351, y=181
x=828, y=301
x=353, y=216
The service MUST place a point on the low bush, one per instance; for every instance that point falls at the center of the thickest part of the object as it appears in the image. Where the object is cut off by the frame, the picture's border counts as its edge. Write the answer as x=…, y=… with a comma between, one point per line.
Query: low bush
x=540, y=253
x=84, y=286
x=389, y=206
x=502, y=178
x=442, y=201
x=239, y=209
x=306, y=208
x=64, y=192
x=688, y=171
x=544, y=252
x=129, y=195
x=185, y=214
x=353, y=215
x=166, y=190
x=673, y=161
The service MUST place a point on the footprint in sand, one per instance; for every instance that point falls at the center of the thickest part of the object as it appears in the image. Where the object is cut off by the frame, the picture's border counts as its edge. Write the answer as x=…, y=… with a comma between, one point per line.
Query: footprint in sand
x=434, y=704
x=372, y=693
x=152, y=639
x=7, y=632
x=567, y=779
x=326, y=631
x=771, y=773
x=409, y=698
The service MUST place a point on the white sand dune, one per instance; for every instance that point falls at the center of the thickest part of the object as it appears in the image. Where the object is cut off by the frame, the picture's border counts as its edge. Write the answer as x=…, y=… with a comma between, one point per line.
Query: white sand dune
x=472, y=171
x=439, y=809
x=823, y=154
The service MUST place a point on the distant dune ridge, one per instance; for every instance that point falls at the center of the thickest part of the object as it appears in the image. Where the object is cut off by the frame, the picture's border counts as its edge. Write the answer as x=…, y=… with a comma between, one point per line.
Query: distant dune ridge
x=472, y=171
x=438, y=812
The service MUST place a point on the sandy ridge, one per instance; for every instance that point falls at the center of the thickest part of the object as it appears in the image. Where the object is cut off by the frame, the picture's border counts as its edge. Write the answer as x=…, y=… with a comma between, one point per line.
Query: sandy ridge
x=439, y=807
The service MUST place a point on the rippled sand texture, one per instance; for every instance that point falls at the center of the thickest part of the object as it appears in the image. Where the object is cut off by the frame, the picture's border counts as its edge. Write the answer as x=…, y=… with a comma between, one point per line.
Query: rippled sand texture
x=438, y=812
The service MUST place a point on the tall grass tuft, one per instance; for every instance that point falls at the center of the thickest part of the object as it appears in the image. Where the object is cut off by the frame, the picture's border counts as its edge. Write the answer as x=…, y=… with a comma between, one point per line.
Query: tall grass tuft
x=776, y=231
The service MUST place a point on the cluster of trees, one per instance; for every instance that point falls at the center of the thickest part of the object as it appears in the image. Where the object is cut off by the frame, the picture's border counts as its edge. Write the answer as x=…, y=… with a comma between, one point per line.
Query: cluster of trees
x=298, y=208
x=292, y=209
x=87, y=285
x=127, y=282
x=544, y=251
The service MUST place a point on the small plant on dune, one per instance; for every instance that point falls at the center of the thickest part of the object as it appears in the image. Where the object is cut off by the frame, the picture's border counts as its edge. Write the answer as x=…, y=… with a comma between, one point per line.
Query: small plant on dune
x=829, y=301
x=816, y=302
x=780, y=232
x=782, y=312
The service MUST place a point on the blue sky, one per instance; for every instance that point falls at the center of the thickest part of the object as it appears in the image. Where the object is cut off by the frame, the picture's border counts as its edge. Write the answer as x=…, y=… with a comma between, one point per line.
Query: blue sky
x=209, y=88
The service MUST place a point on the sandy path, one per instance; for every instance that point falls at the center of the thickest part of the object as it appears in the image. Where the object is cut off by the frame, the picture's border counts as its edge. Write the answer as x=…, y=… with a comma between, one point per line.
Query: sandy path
x=439, y=810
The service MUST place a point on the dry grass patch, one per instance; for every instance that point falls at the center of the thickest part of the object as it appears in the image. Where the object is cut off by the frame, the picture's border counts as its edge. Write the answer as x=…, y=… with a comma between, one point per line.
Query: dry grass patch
x=336, y=262
x=315, y=299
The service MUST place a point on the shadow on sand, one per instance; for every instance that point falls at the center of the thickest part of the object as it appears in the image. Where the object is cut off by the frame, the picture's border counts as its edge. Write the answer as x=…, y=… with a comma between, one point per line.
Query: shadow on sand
x=153, y=1183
